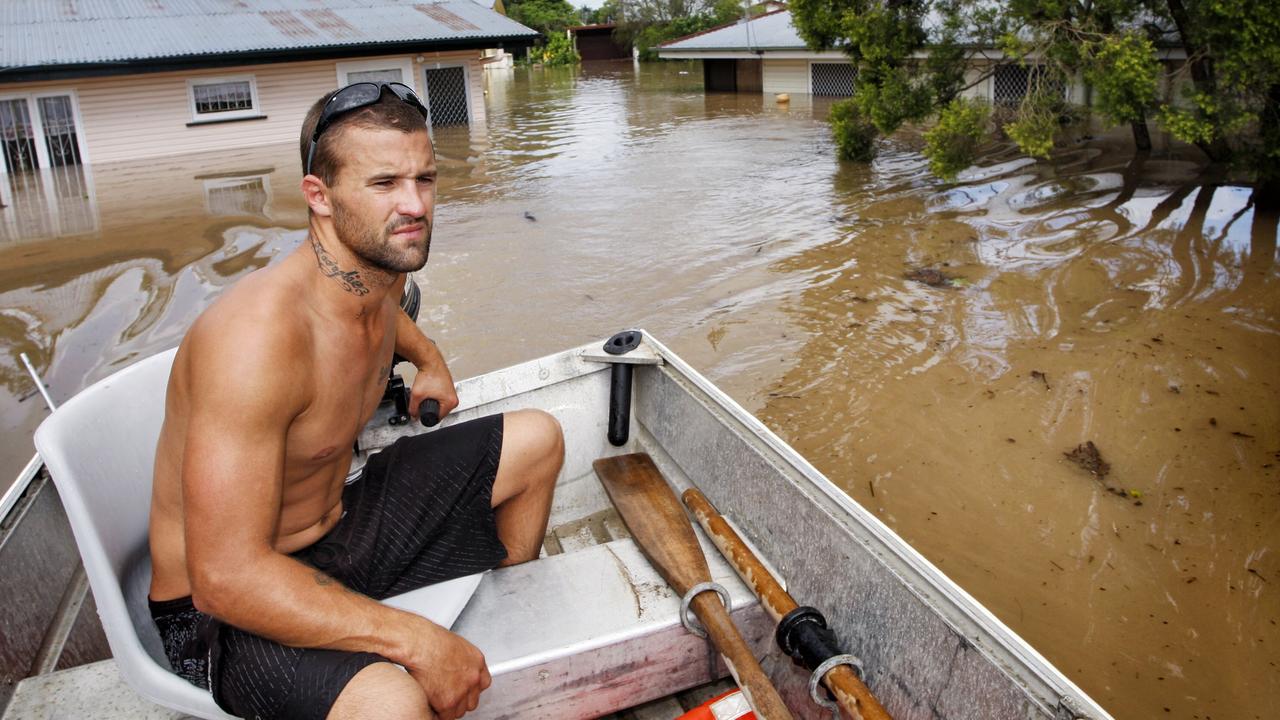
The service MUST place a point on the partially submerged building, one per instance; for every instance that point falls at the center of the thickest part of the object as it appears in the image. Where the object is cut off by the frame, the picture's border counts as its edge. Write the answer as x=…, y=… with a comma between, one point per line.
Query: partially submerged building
x=766, y=54
x=599, y=42
x=102, y=82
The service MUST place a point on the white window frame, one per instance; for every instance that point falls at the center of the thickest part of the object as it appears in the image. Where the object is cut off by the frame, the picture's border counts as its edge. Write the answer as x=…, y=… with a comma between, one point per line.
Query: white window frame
x=201, y=119
x=403, y=64
x=466, y=84
x=37, y=124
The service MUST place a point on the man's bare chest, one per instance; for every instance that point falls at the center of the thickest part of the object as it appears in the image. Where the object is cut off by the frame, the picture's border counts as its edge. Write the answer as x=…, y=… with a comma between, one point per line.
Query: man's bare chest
x=344, y=390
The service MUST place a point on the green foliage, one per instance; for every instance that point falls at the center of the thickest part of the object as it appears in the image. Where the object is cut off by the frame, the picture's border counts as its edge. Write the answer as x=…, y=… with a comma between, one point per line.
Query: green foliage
x=820, y=22
x=557, y=51
x=910, y=70
x=894, y=100
x=1124, y=73
x=649, y=37
x=651, y=23
x=1033, y=133
x=548, y=17
x=609, y=12
x=953, y=141
x=854, y=135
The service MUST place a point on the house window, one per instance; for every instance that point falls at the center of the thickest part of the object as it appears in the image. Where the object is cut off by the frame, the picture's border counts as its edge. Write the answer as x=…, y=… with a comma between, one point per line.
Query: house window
x=382, y=70
x=376, y=76
x=214, y=99
x=18, y=135
x=1012, y=82
x=832, y=78
x=38, y=131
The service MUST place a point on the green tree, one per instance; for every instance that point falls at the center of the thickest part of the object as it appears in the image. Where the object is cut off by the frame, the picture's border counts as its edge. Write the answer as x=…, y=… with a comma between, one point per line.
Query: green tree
x=549, y=17
x=911, y=56
x=650, y=23
x=609, y=12
x=558, y=50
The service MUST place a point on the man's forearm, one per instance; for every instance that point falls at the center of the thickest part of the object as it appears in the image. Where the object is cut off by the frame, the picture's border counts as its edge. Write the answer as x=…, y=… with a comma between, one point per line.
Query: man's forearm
x=293, y=604
x=413, y=345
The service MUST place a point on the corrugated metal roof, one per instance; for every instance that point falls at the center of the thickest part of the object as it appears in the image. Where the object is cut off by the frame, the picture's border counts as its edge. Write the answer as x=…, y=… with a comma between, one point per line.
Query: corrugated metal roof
x=73, y=32
x=772, y=31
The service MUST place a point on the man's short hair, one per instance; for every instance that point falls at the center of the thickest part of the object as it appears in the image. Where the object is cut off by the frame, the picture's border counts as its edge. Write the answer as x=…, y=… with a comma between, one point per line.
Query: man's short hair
x=389, y=112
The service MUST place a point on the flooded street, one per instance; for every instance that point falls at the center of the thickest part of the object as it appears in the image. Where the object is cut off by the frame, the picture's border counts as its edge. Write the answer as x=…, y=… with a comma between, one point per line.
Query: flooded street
x=936, y=349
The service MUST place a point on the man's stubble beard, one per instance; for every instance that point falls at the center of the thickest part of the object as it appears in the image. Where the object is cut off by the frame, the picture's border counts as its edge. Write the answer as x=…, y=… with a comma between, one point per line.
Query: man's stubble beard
x=374, y=248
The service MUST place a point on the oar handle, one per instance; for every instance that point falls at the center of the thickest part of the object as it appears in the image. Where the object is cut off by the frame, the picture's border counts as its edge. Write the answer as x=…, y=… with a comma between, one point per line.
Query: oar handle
x=738, y=657
x=854, y=696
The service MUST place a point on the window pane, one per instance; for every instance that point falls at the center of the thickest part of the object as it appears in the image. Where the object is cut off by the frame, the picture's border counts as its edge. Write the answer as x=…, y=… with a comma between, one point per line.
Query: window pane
x=376, y=76
x=223, y=97
x=17, y=135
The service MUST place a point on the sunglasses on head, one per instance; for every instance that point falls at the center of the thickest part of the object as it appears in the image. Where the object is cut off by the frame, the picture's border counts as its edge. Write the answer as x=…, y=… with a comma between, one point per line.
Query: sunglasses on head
x=354, y=97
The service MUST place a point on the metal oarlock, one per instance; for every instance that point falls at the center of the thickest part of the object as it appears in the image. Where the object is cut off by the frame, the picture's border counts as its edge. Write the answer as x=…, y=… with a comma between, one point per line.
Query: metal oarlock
x=820, y=697
x=689, y=622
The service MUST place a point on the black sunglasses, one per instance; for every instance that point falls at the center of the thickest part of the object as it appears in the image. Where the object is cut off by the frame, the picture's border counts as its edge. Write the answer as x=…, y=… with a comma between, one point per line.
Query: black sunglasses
x=354, y=97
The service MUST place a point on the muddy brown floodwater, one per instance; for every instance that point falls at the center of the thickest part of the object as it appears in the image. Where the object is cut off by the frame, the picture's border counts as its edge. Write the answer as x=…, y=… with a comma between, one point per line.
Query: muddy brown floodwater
x=944, y=352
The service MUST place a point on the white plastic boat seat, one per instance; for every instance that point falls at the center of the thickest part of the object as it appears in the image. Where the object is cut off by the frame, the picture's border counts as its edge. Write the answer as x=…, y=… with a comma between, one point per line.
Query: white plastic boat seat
x=594, y=631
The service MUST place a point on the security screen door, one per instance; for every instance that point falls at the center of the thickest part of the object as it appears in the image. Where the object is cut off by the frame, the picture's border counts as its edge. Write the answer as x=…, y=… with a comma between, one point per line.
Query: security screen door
x=447, y=96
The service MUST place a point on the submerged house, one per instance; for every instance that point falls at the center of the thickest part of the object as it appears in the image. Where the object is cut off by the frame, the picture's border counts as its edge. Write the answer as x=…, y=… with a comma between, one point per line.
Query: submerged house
x=766, y=54
x=88, y=82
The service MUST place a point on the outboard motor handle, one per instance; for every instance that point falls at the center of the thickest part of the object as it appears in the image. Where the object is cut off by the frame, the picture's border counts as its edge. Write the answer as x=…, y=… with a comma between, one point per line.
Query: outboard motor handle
x=620, y=386
x=429, y=412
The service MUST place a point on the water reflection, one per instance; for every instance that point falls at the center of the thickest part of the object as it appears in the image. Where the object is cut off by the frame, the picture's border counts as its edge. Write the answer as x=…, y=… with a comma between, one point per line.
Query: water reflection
x=49, y=202
x=1095, y=296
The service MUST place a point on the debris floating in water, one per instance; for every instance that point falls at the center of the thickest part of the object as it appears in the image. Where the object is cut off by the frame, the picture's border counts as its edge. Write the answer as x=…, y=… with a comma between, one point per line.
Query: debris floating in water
x=529, y=216
x=1086, y=455
x=934, y=277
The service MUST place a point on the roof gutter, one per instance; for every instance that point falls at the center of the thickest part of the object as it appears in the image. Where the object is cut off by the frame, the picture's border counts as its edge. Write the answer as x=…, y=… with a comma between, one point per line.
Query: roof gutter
x=42, y=73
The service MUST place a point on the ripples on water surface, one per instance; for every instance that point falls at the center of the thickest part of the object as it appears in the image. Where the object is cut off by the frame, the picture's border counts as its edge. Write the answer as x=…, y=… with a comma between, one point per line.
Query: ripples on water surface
x=1098, y=297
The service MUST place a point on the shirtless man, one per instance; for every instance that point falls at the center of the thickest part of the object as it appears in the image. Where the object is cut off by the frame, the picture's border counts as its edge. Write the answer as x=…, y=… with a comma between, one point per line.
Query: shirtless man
x=267, y=566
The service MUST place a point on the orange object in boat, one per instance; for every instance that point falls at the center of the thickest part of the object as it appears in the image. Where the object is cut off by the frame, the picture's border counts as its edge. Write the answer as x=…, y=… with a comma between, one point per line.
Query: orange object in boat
x=732, y=705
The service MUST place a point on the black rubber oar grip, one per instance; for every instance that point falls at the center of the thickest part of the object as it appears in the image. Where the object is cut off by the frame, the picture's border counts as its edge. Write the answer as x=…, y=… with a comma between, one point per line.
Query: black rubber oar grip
x=429, y=412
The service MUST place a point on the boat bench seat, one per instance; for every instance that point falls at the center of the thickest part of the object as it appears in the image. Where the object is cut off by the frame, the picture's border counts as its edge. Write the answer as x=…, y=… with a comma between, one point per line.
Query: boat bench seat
x=593, y=631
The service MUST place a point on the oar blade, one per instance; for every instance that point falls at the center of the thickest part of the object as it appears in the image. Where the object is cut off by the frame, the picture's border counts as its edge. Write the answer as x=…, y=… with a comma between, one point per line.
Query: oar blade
x=655, y=518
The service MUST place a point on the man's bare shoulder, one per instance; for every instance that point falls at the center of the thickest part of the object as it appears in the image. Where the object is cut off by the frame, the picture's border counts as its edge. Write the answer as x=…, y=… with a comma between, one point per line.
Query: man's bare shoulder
x=256, y=336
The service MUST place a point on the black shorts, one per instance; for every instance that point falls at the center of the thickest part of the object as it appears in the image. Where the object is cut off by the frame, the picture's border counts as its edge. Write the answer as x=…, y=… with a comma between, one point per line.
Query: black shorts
x=419, y=514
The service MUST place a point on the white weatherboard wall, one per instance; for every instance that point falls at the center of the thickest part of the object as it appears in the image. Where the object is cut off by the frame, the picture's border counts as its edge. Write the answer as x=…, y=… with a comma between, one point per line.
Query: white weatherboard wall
x=785, y=76
x=130, y=117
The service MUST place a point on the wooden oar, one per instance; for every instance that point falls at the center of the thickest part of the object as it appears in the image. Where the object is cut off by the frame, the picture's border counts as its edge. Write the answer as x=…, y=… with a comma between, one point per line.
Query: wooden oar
x=659, y=526
x=844, y=684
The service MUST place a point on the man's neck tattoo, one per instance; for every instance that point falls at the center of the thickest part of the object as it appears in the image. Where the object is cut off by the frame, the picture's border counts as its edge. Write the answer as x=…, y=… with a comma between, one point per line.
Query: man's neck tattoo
x=349, y=279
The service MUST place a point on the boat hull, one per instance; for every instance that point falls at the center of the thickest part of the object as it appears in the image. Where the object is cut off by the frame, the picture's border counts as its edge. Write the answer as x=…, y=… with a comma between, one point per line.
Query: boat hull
x=591, y=629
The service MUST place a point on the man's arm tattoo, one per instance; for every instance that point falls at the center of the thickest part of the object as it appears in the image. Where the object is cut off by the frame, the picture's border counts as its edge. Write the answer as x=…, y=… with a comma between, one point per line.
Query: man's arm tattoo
x=324, y=580
x=350, y=279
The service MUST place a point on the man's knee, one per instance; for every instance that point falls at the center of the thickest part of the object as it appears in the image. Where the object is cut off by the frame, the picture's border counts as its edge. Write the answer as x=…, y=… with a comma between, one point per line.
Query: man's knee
x=544, y=436
x=382, y=691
